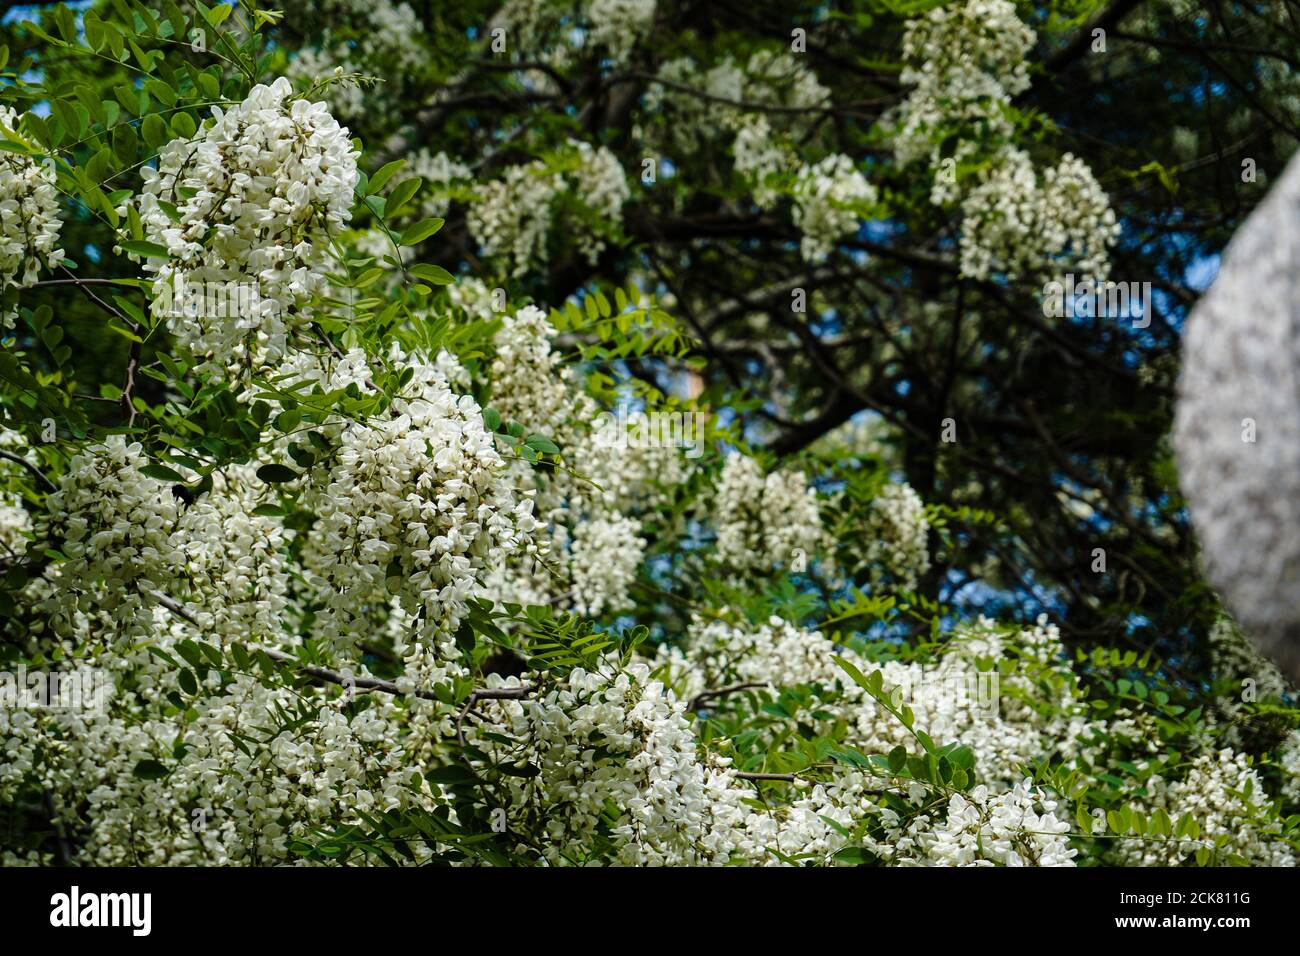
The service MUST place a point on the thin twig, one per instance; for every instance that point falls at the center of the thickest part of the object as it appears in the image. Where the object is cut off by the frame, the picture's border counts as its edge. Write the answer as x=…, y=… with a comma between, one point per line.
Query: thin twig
x=704, y=697
x=30, y=467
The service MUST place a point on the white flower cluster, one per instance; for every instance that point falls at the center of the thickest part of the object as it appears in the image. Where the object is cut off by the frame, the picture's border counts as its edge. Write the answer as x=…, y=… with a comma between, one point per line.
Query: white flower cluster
x=1289, y=760
x=769, y=78
x=234, y=784
x=826, y=194
x=605, y=555
x=617, y=25
x=530, y=23
x=392, y=35
x=1019, y=827
x=762, y=520
x=615, y=757
x=588, y=517
x=15, y=520
x=1235, y=660
x=389, y=38
x=600, y=742
x=128, y=536
x=759, y=157
x=235, y=570
x=1006, y=720
x=602, y=187
x=965, y=63
x=826, y=197
x=512, y=216
x=777, y=653
x=412, y=503
x=692, y=120
x=779, y=78
x=441, y=173
x=29, y=213
x=254, y=196
x=530, y=383
x=116, y=528
x=897, y=547
x=1015, y=224
x=1226, y=796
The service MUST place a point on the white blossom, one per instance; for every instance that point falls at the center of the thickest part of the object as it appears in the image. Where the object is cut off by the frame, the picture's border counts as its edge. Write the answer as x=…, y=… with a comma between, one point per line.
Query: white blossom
x=826, y=196
x=29, y=214
x=255, y=196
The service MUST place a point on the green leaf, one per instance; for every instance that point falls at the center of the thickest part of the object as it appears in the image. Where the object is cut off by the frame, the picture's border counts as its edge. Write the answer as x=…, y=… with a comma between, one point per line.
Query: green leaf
x=369, y=277
x=125, y=142
x=385, y=173
x=401, y=195
x=435, y=274
x=190, y=651
x=162, y=473
x=526, y=771
x=898, y=758
x=450, y=775
x=413, y=235
x=143, y=248
x=274, y=474
x=150, y=770
x=154, y=130
x=962, y=757
x=542, y=443
x=160, y=91
x=183, y=125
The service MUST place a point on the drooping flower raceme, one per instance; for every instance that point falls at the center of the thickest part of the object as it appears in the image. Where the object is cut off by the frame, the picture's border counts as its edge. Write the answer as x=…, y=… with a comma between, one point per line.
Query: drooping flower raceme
x=589, y=518
x=412, y=503
x=619, y=24
x=253, y=198
x=512, y=216
x=15, y=519
x=1226, y=797
x=826, y=195
x=896, y=545
x=759, y=156
x=1014, y=223
x=1019, y=827
x=600, y=185
x=762, y=520
x=605, y=553
x=29, y=213
x=116, y=528
x=964, y=63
